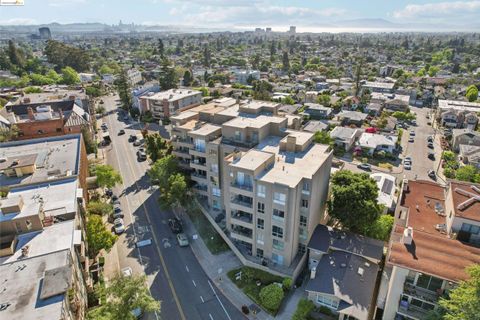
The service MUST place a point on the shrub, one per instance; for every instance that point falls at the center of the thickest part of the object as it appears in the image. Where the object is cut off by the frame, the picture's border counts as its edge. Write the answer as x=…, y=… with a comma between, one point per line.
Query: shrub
x=287, y=283
x=304, y=308
x=271, y=297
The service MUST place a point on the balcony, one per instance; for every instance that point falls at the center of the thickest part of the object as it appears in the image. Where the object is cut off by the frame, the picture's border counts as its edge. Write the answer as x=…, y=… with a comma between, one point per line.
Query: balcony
x=243, y=187
x=242, y=216
x=241, y=233
x=201, y=189
x=198, y=177
x=246, y=202
x=412, y=311
x=182, y=142
x=181, y=153
x=420, y=293
x=238, y=143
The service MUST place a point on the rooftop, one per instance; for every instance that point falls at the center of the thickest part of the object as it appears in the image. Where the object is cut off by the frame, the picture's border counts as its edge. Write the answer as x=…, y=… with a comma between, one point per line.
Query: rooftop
x=56, y=157
x=26, y=281
x=459, y=105
x=172, y=94
x=206, y=130
x=372, y=140
x=251, y=160
x=376, y=84
x=343, y=133
x=466, y=199
x=386, y=188
x=253, y=122
x=431, y=252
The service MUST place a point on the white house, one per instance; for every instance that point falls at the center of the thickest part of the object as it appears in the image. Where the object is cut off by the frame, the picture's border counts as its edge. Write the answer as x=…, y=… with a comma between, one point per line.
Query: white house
x=373, y=142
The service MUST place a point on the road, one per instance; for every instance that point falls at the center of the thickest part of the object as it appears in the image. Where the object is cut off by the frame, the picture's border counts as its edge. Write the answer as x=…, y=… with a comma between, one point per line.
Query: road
x=417, y=150
x=175, y=276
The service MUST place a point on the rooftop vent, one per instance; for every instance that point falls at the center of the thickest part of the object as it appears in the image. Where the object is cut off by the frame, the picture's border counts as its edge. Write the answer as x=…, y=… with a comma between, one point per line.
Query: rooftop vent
x=360, y=271
x=407, y=237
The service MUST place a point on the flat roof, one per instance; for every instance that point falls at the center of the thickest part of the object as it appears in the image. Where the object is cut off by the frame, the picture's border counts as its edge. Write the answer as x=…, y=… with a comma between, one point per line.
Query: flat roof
x=386, y=188
x=184, y=115
x=462, y=192
x=459, y=105
x=58, y=197
x=172, y=94
x=206, y=130
x=25, y=280
x=253, y=122
x=56, y=157
x=251, y=160
x=431, y=251
x=377, y=84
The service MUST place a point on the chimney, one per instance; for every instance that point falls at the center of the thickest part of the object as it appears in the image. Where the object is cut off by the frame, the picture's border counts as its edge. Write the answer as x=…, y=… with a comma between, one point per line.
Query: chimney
x=313, y=273
x=291, y=142
x=407, y=237
x=31, y=115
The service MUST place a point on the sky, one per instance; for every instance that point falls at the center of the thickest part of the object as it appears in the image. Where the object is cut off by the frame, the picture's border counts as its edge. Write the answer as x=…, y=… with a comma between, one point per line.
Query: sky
x=305, y=14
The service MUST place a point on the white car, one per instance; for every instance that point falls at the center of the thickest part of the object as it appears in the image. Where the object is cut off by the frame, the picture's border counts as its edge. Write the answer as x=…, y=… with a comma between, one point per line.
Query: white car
x=119, y=226
x=407, y=165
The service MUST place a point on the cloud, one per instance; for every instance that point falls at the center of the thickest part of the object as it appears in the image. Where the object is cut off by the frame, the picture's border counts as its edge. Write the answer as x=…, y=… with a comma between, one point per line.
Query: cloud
x=17, y=21
x=65, y=3
x=438, y=10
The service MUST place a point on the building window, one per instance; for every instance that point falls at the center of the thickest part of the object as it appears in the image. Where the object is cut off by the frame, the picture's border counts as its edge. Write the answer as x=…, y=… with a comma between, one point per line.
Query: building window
x=306, y=187
x=303, y=234
x=304, y=203
x=261, y=190
x=216, y=192
x=261, y=207
x=327, y=301
x=59, y=129
x=429, y=282
x=40, y=131
x=470, y=228
x=278, y=215
x=303, y=221
x=279, y=198
x=278, y=259
x=213, y=152
x=199, y=145
x=422, y=305
x=29, y=224
x=302, y=248
x=238, y=136
x=278, y=245
x=259, y=253
x=214, y=167
x=277, y=232
x=260, y=239
x=260, y=224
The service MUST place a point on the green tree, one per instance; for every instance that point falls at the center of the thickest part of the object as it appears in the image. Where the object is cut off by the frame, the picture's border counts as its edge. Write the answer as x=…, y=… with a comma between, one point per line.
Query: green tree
x=187, y=78
x=304, y=307
x=54, y=76
x=90, y=145
x=285, y=61
x=105, y=69
x=160, y=47
x=448, y=156
x=107, y=177
x=322, y=137
x=99, y=208
x=463, y=302
x=324, y=99
x=15, y=55
x=176, y=192
x=161, y=170
x=288, y=100
x=70, y=76
x=98, y=237
x=354, y=200
x=156, y=146
x=8, y=134
x=168, y=76
x=468, y=173
x=381, y=228
x=64, y=55
x=123, y=88
x=271, y=297
x=125, y=294
x=472, y=93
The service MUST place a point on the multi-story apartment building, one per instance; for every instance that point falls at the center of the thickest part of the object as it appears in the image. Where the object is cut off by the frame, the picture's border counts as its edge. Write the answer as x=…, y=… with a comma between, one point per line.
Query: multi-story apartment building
x=265, y=186
x=134, y=76
x=168, y=103
x=435, y=237
x=458, y=114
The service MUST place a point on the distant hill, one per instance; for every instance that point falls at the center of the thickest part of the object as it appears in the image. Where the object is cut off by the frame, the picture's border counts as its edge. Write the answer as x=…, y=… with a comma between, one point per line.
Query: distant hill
x=368, y=23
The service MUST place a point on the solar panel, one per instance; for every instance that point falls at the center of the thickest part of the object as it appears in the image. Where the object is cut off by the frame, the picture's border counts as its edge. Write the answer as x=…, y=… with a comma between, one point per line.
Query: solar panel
x=387, y=186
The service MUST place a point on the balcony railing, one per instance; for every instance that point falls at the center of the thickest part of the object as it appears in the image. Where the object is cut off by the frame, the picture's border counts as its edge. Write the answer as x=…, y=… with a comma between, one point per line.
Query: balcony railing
x=242, y=216
x=413, y=311
x=199, y=175
x=242, y=202
x=245, y=232
x=421, y=293
x=237, y=143
x=242, y=186
x=200, y=187
x=199, y=163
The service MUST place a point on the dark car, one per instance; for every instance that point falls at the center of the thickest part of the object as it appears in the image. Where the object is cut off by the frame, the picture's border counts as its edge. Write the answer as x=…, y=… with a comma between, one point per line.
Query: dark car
x=132, y=138
x=121, y=132
x=430, y=145
x=175, y=225
x=141, y=156
x=431, y=155
x=108, y=192
x=432, y=174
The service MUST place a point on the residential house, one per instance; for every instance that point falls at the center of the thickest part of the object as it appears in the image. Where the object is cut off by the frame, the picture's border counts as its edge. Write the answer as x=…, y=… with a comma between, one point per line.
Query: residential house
x=458, y=114
x=470, y=154
x=242, y=76
x=345, y=137
x=315, y=126
x=352, y=118
x=375, y=86
x=372, y=142
x=433, y=241
x=343, y=272
x=386, y=190
x=167, y=103
x=464, y=136
x=374, y=109
x=317, y=111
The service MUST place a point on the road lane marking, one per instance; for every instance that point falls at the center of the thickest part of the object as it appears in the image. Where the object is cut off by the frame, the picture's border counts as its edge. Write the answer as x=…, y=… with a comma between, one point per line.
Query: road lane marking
x=162, y=260
x=211, y=318
x=186, y=268
x=194, y=283
x=201, y=298
x=215, y=294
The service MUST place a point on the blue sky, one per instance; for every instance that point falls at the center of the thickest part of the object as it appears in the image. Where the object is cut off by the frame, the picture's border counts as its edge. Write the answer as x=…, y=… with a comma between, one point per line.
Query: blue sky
x=242, y=13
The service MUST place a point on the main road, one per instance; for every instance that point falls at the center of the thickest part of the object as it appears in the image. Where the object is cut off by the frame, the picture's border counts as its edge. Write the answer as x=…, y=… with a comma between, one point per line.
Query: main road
x=174, y=274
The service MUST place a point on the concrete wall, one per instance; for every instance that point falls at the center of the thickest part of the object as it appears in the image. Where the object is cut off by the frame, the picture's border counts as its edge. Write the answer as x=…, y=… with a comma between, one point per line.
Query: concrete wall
x=395, y=289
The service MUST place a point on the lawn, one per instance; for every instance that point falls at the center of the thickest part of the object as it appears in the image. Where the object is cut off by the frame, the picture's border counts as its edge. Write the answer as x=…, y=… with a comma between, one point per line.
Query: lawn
x=252, y=281
x=207, y=232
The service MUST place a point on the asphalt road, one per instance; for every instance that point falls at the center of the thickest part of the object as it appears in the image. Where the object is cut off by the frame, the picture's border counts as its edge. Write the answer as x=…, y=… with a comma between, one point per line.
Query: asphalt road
x=175, y=276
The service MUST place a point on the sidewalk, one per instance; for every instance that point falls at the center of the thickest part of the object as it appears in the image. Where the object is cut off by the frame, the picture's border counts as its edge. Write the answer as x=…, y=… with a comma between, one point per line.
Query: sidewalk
x=216, y=268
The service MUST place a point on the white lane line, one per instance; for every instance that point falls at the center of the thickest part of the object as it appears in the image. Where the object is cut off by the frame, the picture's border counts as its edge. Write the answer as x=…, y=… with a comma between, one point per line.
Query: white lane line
x=210, y=316
x=194, y=283
x=201, y=298
x=215, y=294
x=186, y=268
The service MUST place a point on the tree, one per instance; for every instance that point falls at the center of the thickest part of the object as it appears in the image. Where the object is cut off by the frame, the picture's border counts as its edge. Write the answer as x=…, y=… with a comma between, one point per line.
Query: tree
x=99, y=208
x=156, y=146
x=70, y=76
x=176, y=192
x=322, y=137
x=187, y=78
x=123, y=88
x=107, y=176
x=90, y=145
x=206, y=56
x=273, y=50
x=288, y=100
x=168, y=77
x=10, y=133
x=125, y=294
x=285, y=61
x=381, y=228
x=472, y=93
x=162, y=169
x=468, y=173
x=448, y=156
x=15, y=55
x=161, y=48
x=354, y=200
x=64, y=55
x=304, y=307
x=98, y=237
x=271, y=297
x=324, y=99
x=358, y=75
x=464, y=301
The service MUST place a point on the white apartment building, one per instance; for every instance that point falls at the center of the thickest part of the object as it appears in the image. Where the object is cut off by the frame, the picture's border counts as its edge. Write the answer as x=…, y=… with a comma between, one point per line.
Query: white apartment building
x=134, y=77
x=168, y=103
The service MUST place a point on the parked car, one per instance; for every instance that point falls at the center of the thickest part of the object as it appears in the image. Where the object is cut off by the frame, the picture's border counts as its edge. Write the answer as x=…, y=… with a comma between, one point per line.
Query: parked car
x=119, y=226
x=219, y=217
x=365, y=166
x=121, y=132
x=137, y=143
x=413, y=122
x=114, y=197
x=432, y=174
x=411, y=139
x=182, y=240
x=407, y=165
x=126, y=118
x=412, y=133
x=175, y=225
x=104, y=126
x=431, y=155
x=430, y=145
x=141, y=156
x=108, y=192
x=429, y=139
x=132, y=138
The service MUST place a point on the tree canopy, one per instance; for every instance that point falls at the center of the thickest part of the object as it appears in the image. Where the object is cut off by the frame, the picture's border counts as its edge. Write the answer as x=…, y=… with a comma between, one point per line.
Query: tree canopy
x=63, y=55
x=107, y=176
x=354, y=200
x=98, y=237
x=271, y=296
x=168, y=77
x=162, y=169
x=472, y=93
x=156, y=146
x=176, y=192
